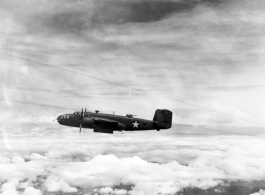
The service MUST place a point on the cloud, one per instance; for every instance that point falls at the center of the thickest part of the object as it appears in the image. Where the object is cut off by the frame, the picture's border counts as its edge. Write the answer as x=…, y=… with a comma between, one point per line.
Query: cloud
x=261, y=192
x=178, y=159
x=36, y=156
x=17, y=159
x=4, y=159
x=10, y=192
x=10, y=185
x=106, y=190
x=214, y=113
x=120, y=12
x=233, y=88
x=79, y=17
x=120, y=192
x=72, y=151
x=55, y=184
x=154, y=177
x=31, y=191
x=144, y=178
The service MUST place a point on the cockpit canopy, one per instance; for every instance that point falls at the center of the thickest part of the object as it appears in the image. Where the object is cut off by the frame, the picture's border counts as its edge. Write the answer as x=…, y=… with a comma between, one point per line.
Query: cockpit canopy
x=76, y=113
x=86, y=114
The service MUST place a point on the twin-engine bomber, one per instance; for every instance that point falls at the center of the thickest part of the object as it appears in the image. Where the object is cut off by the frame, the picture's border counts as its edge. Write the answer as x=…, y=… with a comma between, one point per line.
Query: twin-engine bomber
x=107, y=123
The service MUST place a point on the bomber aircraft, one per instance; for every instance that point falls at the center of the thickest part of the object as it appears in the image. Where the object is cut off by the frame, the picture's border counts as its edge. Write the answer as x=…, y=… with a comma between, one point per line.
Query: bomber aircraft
x=107, y=123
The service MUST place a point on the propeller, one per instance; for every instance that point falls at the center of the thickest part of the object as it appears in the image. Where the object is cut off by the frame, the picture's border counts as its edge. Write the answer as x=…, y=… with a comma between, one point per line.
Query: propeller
x=81, y=120
x=80, y=128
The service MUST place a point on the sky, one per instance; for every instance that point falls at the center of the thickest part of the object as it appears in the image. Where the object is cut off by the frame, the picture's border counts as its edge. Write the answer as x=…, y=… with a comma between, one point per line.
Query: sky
x=201, y=59
x=134, y=57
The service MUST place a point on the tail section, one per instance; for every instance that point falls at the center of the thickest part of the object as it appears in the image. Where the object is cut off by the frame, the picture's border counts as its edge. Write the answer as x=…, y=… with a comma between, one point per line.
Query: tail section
x=162, y=119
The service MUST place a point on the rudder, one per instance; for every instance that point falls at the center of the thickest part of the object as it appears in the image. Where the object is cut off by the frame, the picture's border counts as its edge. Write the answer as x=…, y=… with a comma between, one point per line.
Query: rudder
x=163, y=119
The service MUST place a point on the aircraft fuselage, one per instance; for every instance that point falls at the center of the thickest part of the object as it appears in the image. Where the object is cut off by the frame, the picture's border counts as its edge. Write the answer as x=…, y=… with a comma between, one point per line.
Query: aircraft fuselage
x=107, y=123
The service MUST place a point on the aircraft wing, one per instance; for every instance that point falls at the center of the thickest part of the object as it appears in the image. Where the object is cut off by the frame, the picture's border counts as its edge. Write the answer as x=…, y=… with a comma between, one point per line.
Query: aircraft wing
x=103, y=123
x=103, y=131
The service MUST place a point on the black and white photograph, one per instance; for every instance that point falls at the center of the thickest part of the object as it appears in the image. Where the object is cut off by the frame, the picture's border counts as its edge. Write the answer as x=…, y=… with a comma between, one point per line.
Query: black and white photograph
x=132, y=97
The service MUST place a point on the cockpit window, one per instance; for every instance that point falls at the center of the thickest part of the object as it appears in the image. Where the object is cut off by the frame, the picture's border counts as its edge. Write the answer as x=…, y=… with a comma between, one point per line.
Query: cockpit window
x=76, y=113
x=65, y=116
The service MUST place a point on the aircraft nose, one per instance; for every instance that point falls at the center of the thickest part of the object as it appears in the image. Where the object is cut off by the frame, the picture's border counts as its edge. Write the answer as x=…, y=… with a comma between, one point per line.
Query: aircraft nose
x=59, y=118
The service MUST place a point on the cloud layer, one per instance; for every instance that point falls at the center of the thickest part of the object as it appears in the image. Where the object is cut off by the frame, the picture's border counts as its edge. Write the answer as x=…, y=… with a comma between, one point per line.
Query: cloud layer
x=178, y=159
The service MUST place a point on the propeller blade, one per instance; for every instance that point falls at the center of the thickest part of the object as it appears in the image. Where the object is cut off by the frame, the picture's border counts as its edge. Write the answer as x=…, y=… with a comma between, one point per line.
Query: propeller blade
x=82, y=114
x=85, y=110
x=81, y=120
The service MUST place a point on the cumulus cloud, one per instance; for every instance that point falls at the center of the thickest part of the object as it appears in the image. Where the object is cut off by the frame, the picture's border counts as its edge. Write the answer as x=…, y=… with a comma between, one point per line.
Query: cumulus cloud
x=72, y=151
x=31, y=191
x=55, y=184
x=261, y=192
x=17, y=159
x=4, y=159
x=10, y=192
x=106, y=190
x=10, y=185
x=204, y=171
x=36, y=156
x=178, y=159
x=120, y=192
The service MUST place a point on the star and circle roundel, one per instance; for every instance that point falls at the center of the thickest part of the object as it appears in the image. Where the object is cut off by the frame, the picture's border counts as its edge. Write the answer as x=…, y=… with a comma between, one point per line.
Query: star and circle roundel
x=136, y=124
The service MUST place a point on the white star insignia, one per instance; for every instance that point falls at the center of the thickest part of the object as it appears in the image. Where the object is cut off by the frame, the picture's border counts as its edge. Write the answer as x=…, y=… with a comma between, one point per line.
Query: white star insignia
x=135, y=124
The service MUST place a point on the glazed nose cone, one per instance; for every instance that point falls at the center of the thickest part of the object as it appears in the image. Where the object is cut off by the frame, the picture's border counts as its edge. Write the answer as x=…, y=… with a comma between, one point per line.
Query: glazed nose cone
x=59, y=118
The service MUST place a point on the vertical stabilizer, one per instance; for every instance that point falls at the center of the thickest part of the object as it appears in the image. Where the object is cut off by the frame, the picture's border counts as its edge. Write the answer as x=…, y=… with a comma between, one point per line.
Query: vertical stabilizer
x=162, y=119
